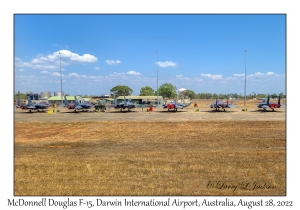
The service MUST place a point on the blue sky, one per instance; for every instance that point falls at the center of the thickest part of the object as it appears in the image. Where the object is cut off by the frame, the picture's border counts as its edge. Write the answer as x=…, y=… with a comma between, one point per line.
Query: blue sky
x=204, y=53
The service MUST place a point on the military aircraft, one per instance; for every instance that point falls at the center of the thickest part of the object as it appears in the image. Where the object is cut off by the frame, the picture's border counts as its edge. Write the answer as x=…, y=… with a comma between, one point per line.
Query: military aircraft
x=126, y=104
x=267, y=104
x=221, y=105
x=172, y=105
x=20, y=105
x=31, y=106
x=69, y=105
x=83, y=106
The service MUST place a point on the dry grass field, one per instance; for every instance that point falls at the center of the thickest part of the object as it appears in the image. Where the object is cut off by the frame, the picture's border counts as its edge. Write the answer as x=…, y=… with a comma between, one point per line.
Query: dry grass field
x=150, y=158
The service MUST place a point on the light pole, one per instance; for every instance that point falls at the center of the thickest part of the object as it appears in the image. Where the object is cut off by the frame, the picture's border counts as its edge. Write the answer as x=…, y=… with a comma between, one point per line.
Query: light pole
x=245, y=85
x=60, y=79
x=157, y=75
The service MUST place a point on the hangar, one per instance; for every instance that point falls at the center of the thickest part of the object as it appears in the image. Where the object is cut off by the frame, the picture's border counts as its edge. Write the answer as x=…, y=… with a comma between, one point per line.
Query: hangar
x=71, y=99
x=142, y=99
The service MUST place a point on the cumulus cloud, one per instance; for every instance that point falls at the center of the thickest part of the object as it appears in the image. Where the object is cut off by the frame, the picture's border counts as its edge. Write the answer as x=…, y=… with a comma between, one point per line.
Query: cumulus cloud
x=166, y=64
x=96, y=68
x=45, y=72
x=133, y=73
x=67, y=54
x=54, y=60
x=73, y=75
x=239, y=75
x=211, y=76
x=56, y=74
x=112, y=62
x=262, y=74
x=179, y=76
x=269, y=73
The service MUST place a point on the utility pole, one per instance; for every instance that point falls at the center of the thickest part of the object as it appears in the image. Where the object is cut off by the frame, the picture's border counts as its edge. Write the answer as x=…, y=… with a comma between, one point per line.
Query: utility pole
x=61, y=94
x=245, y=85
x=157, y=75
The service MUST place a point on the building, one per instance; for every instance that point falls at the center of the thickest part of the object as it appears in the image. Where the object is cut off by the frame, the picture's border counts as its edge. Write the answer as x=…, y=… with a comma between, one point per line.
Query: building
x=71, y=99
x=142, y=99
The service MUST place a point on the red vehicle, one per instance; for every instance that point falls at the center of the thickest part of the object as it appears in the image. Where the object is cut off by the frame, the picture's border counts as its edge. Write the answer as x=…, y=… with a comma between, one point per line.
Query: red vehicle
x=71, y=106
x=23, y=106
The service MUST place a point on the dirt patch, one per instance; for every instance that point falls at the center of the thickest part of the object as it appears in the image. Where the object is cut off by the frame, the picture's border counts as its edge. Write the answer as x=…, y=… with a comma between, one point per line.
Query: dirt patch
x=150, y=158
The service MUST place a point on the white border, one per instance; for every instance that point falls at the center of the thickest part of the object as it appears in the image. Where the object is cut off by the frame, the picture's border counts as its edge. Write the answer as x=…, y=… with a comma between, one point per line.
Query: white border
x=9, y=8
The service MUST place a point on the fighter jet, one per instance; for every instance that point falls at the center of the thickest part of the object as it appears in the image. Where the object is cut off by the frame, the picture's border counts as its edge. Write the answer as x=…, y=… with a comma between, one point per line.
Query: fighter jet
x=172, y=105
x=221, y=105
x=68, y=105
x=31, y=106
x=82, y=106
x=267, y=104
x=126, y=104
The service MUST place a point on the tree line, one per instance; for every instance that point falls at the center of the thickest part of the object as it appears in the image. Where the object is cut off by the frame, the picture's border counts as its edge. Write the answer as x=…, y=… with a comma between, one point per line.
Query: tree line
x=169, y=91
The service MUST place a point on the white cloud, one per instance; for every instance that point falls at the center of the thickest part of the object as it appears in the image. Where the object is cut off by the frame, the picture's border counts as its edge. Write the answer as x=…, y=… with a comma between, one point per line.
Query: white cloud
x=262, y=74
x=269, y=73
x=55, y=60
x=74, y=75
x=258, y=74
x=45, y=72
x=70, y=56
x=166, y=64
x=179, y=76
x=133, y=73
x=96, y=67
x=56, y=74
x=21, y=70
x=239, y=75
x=213, y=77
x=112, y=62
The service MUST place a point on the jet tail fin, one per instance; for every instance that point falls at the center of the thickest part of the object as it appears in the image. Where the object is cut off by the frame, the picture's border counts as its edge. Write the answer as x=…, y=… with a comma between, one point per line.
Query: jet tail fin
x=268, y=100
x=29, y=101
x=115, y=100
x=279, y=105
x=66, y=101
x=125, y=102
x=76, y=101
x=19, y=101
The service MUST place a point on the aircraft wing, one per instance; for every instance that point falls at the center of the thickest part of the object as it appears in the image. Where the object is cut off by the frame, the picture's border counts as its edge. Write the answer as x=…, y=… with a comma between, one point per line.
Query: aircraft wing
x=264, y=106
x=160, y=106
x=179, y=107
x=231, y=106
x=78, y=107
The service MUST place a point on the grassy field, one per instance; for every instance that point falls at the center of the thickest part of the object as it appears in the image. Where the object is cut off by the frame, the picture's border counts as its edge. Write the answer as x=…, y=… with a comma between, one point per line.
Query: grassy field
x=150, y=158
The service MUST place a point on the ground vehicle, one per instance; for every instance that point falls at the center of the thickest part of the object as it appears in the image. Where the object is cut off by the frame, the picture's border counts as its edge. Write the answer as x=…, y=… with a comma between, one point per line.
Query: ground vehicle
x=100, y=105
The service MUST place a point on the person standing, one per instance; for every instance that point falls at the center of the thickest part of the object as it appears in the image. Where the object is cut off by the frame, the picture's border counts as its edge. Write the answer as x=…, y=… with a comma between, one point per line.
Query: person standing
x=150, y=109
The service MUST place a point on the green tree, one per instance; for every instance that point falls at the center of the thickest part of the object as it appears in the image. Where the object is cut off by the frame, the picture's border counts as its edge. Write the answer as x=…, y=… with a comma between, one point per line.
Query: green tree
x=21, y=95
x=274, y=95
x=147, y=91
x=282, y=95
x=189, y=94
x=121, y=90
x=167, y=90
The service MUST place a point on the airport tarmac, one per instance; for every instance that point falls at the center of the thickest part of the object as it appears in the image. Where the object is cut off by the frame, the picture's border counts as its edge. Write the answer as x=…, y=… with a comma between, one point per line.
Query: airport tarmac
x=187, y=114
